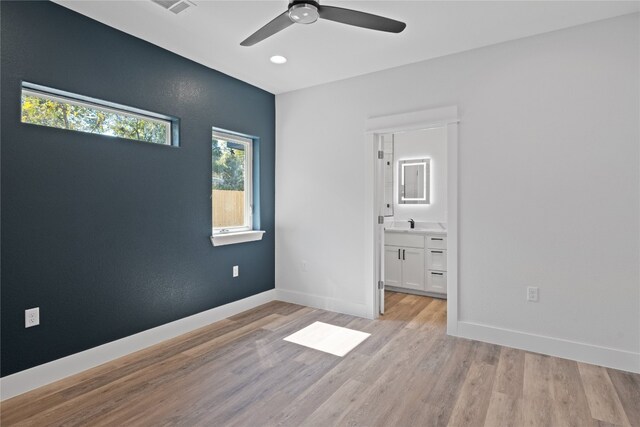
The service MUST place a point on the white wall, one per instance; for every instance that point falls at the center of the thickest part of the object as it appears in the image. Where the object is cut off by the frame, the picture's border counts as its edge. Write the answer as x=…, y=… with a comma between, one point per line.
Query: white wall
x=549, y=184
x=423, y=144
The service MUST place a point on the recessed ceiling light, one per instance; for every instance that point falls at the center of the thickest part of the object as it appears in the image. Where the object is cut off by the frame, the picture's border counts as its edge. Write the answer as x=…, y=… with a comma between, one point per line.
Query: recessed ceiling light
x=278, y=59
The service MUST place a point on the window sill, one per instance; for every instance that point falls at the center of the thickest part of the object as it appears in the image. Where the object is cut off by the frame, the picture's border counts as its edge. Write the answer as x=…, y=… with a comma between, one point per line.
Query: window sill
x=222, y=239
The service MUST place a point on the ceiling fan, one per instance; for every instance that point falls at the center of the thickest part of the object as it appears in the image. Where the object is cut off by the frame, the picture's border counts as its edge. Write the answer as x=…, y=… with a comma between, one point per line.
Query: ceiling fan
x=308, y=12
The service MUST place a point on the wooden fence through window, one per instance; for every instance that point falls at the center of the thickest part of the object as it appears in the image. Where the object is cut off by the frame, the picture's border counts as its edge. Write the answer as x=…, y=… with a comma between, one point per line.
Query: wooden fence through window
x=227, y=208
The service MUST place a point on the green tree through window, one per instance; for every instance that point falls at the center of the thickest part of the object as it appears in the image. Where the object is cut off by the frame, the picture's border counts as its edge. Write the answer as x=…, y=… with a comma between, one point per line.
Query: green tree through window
x=227, y=165
x=58, y=112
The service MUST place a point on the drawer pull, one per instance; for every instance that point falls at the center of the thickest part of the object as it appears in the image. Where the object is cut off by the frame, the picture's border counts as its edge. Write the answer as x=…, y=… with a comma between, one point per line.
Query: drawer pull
x=437, y=274
x=436, y=238
x=403, y=254
x=436, y=252
x=398, y=253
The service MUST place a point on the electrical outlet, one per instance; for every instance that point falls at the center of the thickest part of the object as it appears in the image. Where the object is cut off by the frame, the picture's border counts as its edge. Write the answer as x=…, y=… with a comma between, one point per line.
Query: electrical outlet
x=532, y=293
x=32, y=317
x=236, y=271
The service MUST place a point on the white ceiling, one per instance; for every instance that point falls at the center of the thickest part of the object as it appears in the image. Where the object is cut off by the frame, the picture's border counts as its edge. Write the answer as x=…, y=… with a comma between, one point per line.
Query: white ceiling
x=325, y=51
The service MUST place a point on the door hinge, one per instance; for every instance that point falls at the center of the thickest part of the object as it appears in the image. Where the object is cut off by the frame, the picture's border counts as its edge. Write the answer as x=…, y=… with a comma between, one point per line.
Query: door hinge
x=380, y=284
x=380, y=154
x=380, y=219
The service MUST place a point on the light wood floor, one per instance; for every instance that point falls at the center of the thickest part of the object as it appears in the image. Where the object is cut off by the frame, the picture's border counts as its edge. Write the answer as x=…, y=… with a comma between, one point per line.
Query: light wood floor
x=239, y=372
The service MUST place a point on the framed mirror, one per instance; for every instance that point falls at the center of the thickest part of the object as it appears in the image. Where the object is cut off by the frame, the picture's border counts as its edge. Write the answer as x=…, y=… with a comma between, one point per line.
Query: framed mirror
x=414, y=181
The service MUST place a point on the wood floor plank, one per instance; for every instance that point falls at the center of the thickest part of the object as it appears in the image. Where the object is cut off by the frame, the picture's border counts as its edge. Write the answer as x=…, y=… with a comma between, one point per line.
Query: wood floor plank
x=146, y=385
x=258, y=396
x=510, y=372
x=391, y=299
x=386, y=356
x=504, y=410
x=250, y=369
x=602, y=397
x=570, y=406
x=158, y=371
x=605, y=424
x=473, y=399
x=394, y=320
x=311, y=374
x=486, y=353
x=199, y=388
x=389, y=384
x=332, y=411
x=221, y=340
x=538, y=391
x=59, y=392
x=273, y=307
x=240, y=372
x=286, y=320
x=430, y=369
x=627, y=386
x=439, y=399
x=91, y=404
x=296, y=412
x=425, y=316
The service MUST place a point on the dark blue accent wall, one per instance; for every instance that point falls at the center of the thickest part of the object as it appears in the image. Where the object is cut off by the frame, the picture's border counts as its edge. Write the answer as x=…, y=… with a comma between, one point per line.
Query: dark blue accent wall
x=110, y=237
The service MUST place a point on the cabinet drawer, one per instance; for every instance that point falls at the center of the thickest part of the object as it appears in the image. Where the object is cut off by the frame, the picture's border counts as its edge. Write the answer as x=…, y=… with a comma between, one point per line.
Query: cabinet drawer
x=436, y=281
x=437, y=242
x=437, y=259
x=404, y=239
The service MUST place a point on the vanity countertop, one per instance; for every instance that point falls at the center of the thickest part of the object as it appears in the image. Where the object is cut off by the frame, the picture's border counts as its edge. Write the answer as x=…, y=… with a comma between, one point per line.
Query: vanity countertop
x=425, y=231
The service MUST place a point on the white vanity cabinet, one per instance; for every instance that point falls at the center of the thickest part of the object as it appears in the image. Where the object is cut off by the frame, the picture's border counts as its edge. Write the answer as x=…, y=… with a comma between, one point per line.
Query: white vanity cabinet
x=436, y=264
x=404, y=261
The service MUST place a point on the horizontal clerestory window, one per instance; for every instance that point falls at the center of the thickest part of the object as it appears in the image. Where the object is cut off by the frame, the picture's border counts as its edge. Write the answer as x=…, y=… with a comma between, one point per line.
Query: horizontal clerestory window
x=46, y=106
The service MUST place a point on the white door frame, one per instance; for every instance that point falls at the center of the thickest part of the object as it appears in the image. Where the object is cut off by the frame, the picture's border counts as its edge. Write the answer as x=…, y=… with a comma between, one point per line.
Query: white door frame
x=445, y=117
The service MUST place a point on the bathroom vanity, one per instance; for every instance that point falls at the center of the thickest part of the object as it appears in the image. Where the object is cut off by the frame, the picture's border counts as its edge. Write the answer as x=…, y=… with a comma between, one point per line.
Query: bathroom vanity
x=415, y=260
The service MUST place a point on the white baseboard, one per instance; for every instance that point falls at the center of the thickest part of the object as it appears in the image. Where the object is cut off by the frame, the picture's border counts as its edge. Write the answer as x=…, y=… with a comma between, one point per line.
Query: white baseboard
x=29, y=379
x=324, y=303
x=581, y=352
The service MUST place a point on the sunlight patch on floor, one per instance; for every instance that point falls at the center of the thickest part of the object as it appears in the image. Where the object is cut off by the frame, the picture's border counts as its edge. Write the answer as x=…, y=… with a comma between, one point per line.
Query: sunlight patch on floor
x=331, y=339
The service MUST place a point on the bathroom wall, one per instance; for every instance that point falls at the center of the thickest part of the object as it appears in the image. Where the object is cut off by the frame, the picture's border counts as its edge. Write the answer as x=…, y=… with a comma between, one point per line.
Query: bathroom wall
x=430, y=144
x=549, y=187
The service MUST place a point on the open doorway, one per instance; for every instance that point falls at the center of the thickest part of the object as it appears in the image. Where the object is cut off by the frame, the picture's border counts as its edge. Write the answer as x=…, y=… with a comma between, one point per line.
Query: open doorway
x=415, y=214
x=415, y=203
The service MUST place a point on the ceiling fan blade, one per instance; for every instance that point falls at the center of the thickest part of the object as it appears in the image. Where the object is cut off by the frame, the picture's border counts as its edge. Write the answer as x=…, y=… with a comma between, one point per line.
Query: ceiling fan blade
x=361, y=19
x=279, y=23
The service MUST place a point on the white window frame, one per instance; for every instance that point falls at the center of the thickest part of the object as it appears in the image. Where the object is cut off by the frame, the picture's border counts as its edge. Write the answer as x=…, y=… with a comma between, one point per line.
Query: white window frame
x=248, y=181
x=62, y=96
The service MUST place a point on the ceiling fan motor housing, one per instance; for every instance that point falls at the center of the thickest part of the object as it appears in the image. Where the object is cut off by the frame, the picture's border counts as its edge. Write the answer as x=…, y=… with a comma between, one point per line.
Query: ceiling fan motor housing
x=303, y=12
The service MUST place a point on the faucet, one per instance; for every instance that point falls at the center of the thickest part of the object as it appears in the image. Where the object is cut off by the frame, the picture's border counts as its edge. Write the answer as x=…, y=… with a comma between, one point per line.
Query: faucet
x=412, y=223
